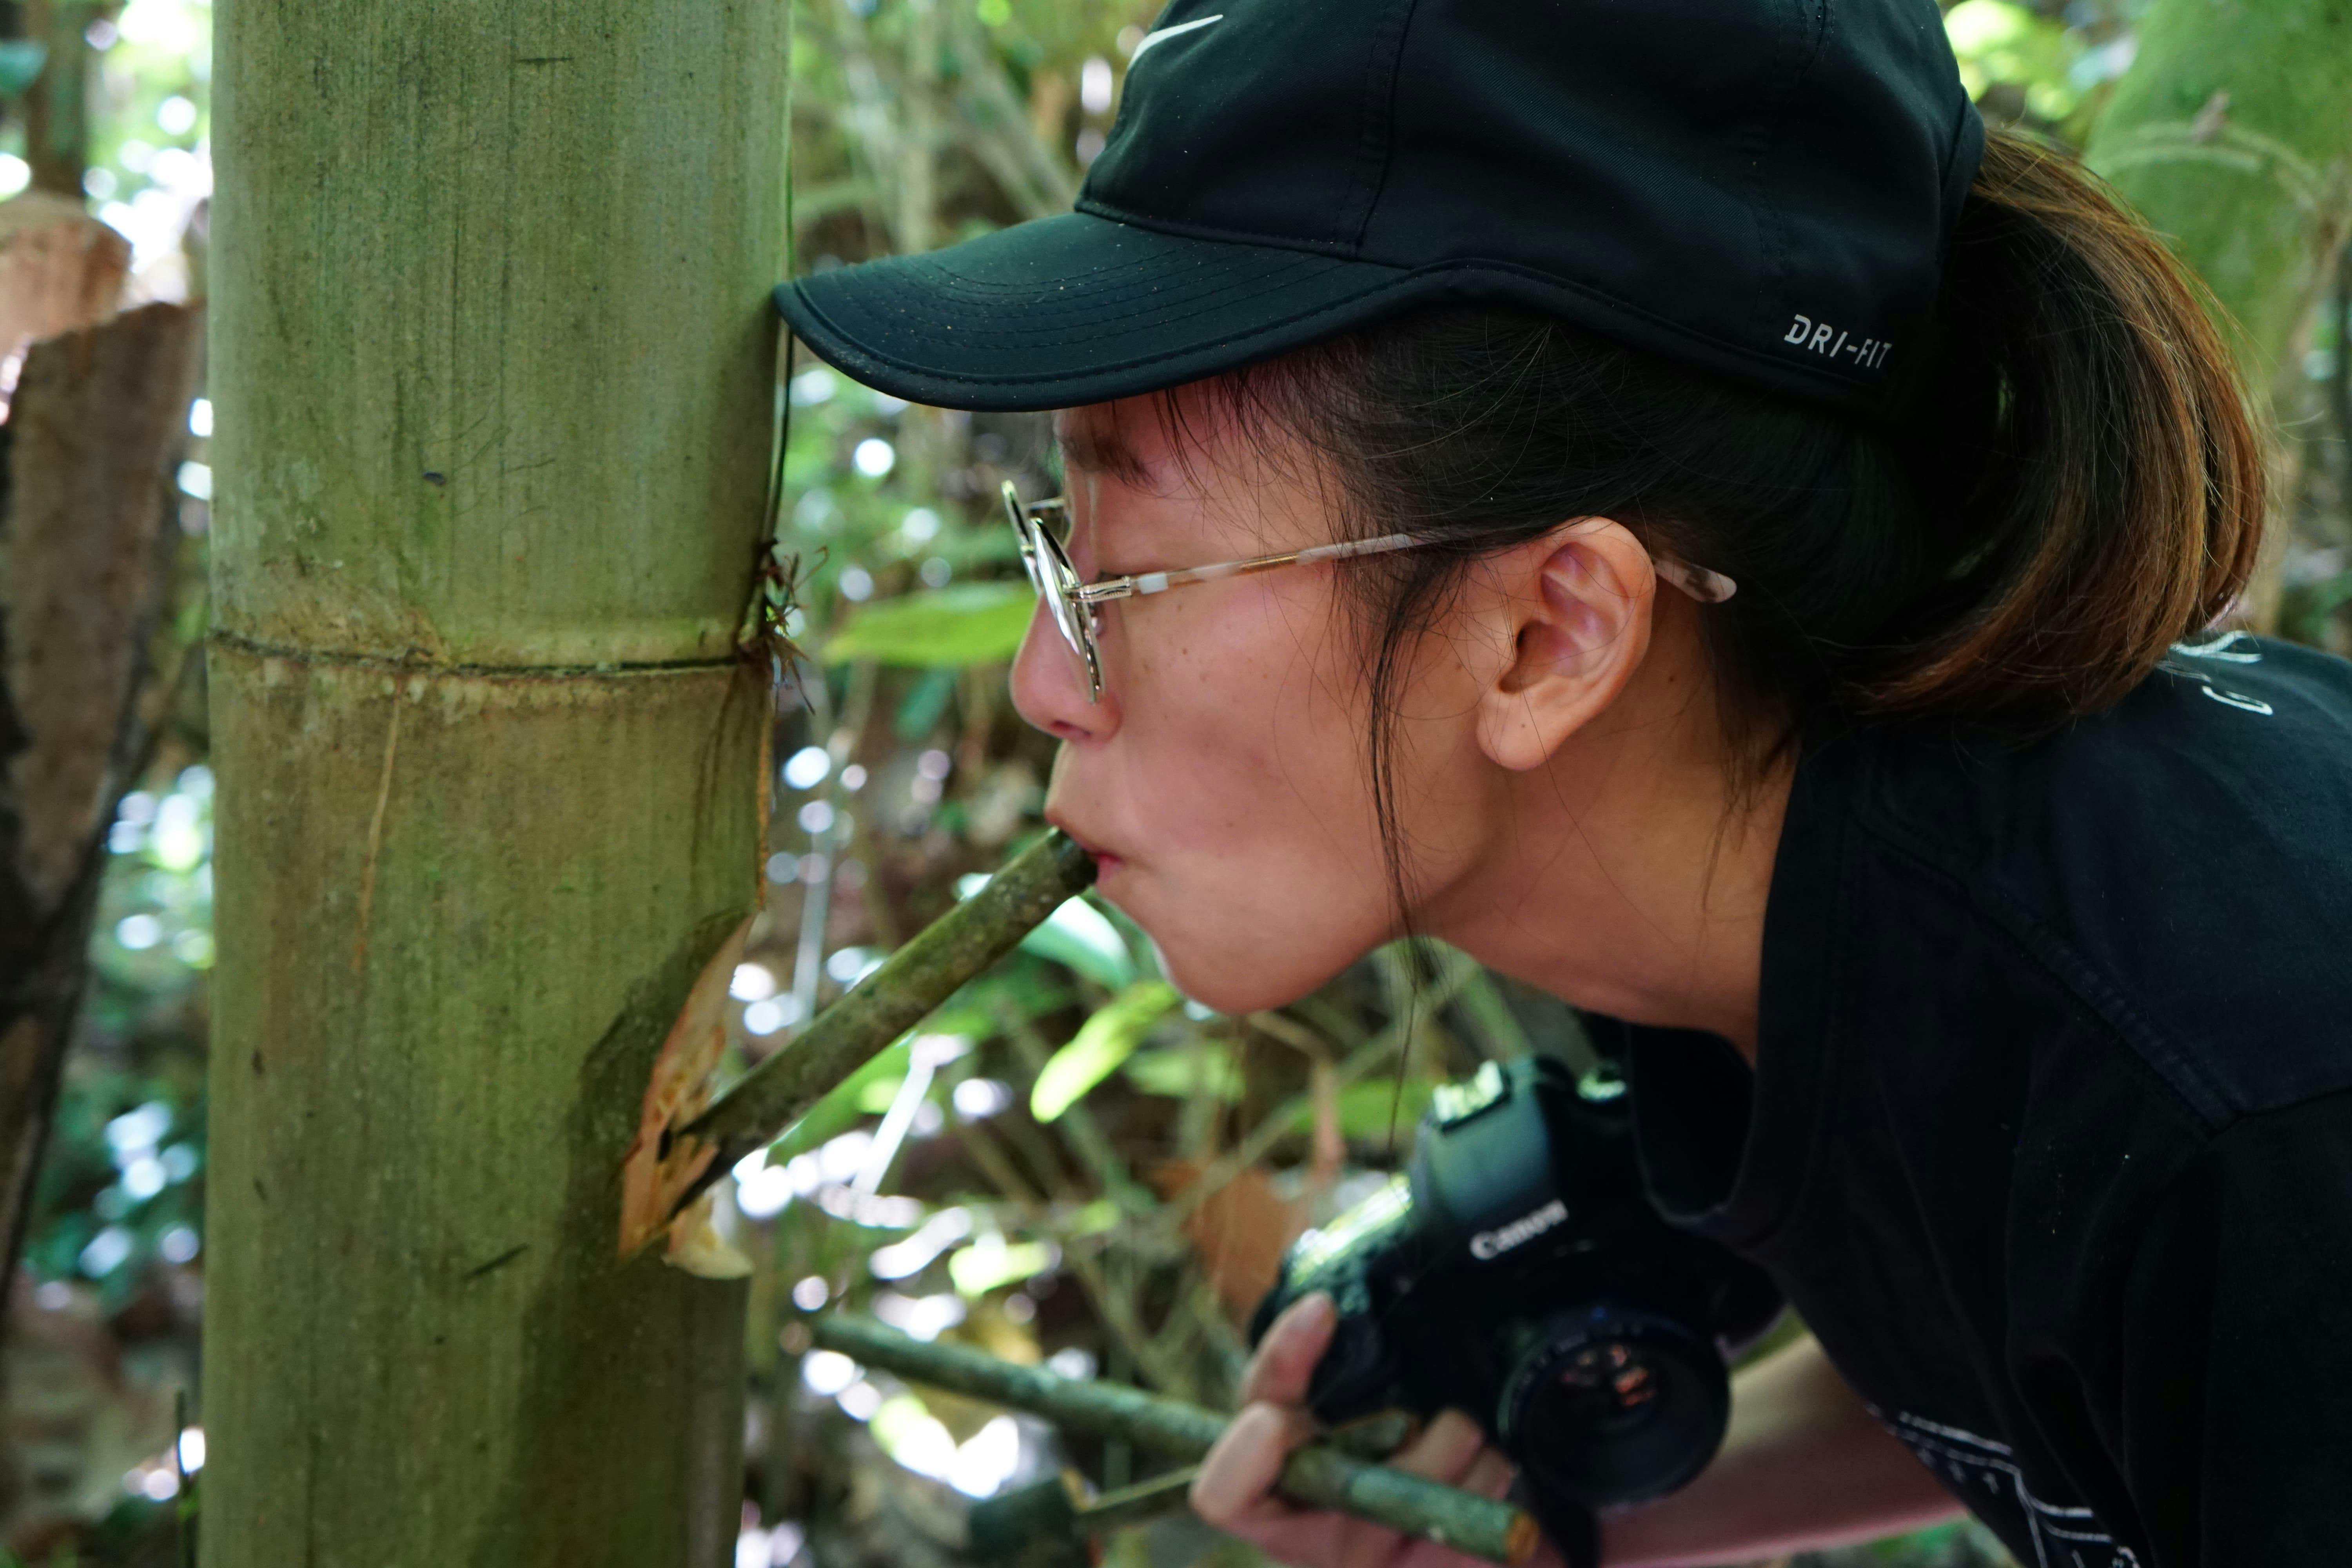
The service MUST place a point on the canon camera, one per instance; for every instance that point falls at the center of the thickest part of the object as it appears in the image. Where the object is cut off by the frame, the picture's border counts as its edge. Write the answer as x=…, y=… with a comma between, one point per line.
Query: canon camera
x=1516, y=1271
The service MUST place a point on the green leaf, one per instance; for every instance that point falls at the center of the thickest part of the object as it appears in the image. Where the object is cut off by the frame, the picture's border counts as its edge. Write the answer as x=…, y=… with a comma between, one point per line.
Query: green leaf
x=922, y=706
x=1369, y=1108
x=1102, y=1044
x=992, y=1261
x=1188, y=1072
x=1999, y=42
x=1096, y=1217
x=1078, y=936
x=1976, y=26
x=21, y=60
x=971, y=623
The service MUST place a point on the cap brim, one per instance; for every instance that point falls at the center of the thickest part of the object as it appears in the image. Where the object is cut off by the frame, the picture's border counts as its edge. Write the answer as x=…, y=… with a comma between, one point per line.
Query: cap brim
x=1076, y=308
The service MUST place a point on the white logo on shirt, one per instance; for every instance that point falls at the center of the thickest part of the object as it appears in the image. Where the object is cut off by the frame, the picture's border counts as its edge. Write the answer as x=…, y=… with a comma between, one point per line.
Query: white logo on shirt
x=2225, y=649
x=2062, y=1537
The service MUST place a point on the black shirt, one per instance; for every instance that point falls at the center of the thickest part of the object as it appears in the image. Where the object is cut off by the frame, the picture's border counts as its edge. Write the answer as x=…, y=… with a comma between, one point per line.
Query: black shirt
x=2051, y=1141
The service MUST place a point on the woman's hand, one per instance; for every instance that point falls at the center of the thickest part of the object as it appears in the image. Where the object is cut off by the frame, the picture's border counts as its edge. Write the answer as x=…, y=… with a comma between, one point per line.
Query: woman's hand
x=1805, y=1466
x=1234, y=1489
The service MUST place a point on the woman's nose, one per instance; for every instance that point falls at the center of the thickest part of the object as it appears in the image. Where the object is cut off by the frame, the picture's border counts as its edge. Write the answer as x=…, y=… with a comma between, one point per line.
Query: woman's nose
x=1049, y=686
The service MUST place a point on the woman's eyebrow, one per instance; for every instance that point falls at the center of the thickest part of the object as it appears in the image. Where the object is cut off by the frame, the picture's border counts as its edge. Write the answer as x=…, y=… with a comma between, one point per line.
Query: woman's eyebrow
x=1089, y=445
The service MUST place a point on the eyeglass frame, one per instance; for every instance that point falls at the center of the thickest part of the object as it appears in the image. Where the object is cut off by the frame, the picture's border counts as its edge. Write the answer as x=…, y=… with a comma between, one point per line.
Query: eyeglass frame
x=1075, y=605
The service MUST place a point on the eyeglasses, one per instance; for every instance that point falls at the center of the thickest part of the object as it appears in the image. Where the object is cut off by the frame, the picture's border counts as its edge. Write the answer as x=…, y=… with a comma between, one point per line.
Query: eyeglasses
x=1076, y=606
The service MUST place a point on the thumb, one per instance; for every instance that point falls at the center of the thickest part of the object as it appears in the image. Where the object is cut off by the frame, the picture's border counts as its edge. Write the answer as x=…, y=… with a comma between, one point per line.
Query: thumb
x=1239, y=1473
x=1285, y=1363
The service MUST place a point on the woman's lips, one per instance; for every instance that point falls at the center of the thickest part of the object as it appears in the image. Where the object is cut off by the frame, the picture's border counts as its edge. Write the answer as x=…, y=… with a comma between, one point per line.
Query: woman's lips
x=1104, y=860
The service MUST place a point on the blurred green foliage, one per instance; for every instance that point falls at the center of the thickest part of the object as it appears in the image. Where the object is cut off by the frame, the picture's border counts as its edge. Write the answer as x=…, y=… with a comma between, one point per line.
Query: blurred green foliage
x=122, y=1184
x=149, y=115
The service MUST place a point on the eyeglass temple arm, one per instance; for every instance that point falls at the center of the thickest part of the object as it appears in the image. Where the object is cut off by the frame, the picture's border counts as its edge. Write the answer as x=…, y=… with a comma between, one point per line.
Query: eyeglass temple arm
x=1160, y=582
x=1706, y=586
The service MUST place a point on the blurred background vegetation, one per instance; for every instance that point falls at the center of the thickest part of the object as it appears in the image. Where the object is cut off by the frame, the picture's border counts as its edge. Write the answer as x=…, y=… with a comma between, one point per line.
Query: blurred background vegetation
x=1071, y=1164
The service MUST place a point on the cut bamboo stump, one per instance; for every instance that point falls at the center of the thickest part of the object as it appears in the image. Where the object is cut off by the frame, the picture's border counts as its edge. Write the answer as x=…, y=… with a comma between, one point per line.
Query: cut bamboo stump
x=60, y=269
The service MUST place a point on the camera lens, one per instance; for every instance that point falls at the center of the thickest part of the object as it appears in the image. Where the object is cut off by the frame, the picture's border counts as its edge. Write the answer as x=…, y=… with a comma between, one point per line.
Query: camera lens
x=1609, y=1404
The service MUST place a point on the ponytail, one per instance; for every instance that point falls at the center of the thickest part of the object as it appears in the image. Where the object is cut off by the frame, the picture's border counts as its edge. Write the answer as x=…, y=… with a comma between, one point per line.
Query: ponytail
x=2088, y=420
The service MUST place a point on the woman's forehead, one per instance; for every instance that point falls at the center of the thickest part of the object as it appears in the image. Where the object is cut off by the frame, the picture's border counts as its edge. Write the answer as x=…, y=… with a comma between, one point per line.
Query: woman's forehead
x=1157, y=440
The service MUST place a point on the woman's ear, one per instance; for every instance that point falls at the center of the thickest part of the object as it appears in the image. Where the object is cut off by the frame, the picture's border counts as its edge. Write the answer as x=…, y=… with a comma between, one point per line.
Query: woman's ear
x=1576, y=606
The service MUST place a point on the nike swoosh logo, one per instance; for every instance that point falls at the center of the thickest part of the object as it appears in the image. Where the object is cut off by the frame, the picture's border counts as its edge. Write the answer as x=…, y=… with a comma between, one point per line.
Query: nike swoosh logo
x=1151, y=38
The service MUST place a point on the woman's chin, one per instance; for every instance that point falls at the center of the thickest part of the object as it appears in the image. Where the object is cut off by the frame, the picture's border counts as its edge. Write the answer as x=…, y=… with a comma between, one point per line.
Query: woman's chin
x=1231, y=967
x=1231, y=982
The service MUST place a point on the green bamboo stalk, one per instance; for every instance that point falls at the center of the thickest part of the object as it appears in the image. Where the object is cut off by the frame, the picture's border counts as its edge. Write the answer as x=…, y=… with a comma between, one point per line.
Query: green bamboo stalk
x=494, y=367
x=2231, y=135
x=1319, y=1474
x=913, y=980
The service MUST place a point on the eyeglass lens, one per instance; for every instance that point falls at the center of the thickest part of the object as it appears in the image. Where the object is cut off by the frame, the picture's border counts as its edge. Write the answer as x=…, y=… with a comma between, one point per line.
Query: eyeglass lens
x=1056, y=581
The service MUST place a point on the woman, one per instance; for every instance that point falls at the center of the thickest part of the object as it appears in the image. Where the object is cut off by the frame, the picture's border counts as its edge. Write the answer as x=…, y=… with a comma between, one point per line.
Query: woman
x=1745, y=549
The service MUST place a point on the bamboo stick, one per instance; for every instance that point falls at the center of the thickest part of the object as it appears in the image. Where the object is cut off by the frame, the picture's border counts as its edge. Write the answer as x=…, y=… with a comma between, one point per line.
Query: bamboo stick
x=913, y=980
x=1318, y=1476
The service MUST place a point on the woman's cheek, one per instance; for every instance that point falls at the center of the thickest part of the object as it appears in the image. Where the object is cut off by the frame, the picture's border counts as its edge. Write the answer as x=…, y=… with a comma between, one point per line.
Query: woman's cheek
x=1252, y=917
x=1256, y=865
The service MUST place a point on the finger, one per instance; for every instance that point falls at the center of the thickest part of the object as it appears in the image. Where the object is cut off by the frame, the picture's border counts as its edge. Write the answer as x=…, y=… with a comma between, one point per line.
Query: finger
x=1447, y=1449
x=1285, y=1358
x=1444, y=1450
x=1489, y=1474
x=1363, y=1544
x=1238, y=1475
x=1307, y=1539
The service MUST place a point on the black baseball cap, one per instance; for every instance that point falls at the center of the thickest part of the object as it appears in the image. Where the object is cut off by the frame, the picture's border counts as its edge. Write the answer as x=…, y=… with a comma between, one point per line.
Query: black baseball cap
x=1761, y=188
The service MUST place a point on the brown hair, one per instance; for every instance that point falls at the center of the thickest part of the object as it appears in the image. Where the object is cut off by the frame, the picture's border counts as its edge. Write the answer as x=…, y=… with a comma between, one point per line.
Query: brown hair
x=2075, y=484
